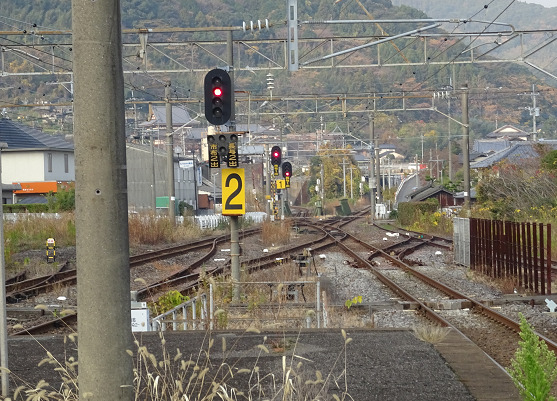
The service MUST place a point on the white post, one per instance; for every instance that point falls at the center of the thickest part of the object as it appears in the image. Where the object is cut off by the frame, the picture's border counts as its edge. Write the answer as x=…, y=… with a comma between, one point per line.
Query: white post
x=318, y=301
x=211, y=306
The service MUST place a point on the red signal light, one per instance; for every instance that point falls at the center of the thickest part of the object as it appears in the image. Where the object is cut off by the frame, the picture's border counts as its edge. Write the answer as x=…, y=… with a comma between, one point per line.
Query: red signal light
x=217, y=91
x=276, y=154
x=287, y=173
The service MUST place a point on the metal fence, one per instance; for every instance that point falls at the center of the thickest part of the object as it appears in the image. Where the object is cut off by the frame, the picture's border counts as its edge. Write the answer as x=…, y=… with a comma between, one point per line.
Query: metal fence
x=504, y=249
x=275, y=302
x=185, y=316
x=214, y=220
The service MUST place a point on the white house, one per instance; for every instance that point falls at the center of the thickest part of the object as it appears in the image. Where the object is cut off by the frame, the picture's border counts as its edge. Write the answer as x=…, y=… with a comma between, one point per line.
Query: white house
x=36, y=161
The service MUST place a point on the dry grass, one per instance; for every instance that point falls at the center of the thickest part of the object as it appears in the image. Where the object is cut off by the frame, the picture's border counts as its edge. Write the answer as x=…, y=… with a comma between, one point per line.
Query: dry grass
x=431, y=333
x=266, y=301
x=210, y=374
x=276, y=232
x=30, y=232
x=507, y=285
x=150, y=229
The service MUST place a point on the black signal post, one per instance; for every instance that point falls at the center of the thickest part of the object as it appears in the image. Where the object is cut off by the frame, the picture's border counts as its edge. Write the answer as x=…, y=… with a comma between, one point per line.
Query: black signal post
x=218, y=96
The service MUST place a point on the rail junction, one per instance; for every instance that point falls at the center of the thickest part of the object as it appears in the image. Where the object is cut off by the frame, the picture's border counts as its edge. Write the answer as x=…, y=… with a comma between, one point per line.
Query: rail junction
x=382, y=253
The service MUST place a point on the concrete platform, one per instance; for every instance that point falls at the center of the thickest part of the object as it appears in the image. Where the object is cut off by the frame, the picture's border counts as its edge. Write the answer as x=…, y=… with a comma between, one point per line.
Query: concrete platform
x=374, y=365
x=485, y=379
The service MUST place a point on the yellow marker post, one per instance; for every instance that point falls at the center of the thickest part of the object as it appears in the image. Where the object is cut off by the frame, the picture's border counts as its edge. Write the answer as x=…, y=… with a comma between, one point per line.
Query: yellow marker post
x=50, y=250
x=233, y=192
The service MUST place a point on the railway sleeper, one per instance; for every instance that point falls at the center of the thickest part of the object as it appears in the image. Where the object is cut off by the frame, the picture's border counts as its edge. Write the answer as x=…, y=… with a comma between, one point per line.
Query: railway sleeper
x=23, y=314
x=445, y=304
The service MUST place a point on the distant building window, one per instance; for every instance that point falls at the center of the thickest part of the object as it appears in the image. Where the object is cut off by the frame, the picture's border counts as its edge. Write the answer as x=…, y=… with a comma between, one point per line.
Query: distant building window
x=49, y=162
x=66, y=163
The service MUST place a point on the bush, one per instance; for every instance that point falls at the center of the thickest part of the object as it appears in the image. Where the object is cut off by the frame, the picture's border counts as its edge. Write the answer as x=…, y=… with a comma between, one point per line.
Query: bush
x=533, y=367
x=409, y=212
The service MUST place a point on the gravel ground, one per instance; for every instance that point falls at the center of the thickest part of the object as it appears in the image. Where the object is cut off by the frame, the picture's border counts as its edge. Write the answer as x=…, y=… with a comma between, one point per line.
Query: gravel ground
x=342, y=282
x=380, y=308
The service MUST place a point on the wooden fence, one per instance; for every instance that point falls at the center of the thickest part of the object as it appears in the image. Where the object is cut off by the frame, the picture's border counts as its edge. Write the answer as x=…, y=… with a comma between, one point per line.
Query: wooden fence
x=520, y=251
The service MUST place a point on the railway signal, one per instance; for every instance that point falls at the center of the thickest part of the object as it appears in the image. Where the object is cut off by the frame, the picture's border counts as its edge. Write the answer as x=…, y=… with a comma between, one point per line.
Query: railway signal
x=276, y=156
x=287, y=173
x=218, y=96
x=223, y=147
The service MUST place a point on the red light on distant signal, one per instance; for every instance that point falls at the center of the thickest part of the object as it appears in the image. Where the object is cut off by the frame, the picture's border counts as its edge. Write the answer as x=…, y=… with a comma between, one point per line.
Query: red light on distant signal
x=217, y=91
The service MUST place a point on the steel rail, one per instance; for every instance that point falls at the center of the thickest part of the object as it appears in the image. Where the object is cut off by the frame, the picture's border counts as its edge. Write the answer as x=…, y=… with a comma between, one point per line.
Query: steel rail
x=476, y=305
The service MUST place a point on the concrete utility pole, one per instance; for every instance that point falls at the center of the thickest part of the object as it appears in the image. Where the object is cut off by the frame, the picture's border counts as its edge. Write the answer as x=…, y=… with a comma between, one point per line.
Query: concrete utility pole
x=170, y=157
x=534, y=112
x=3, y=313
x=267, y=175
x=153, y=176
x=466, y=147
x=378, y=170
x=101, y=218
x=322, y=172
x=234, y=235
x=351, y=183
x=344, y=163
x=450, y=141
x=372, y=182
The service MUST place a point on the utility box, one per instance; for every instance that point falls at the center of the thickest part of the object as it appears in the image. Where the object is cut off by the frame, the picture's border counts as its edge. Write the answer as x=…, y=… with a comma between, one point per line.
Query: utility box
x=345, y=207
x=381, y=211
x=140, y=316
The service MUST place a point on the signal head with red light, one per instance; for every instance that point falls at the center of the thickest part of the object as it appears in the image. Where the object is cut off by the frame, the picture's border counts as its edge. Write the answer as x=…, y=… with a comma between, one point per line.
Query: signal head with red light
x=276, y=155
x=286, y=169
x=218, y=96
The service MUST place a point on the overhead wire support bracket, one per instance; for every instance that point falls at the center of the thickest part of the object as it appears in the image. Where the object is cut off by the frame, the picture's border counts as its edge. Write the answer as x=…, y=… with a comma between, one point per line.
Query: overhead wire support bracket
x=388, y=39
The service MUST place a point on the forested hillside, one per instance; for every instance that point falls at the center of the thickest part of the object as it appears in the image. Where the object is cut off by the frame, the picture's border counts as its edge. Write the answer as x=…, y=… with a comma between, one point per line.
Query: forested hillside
x=522, y=15
x=494, y=87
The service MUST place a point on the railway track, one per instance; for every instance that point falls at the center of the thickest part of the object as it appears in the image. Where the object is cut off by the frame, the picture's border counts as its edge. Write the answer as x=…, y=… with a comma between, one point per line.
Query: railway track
x=17, y=290
x=183, y=280
x=490, y=316
x=331, y=235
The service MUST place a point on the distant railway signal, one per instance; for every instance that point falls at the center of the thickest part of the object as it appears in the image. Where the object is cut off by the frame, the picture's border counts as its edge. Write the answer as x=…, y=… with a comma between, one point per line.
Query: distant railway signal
x=286, y=169
x=287, y=173
x=276, y=156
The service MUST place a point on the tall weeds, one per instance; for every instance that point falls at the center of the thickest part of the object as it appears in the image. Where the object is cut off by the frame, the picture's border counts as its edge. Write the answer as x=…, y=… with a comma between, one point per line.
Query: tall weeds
x=213, y=373
x=276, y=232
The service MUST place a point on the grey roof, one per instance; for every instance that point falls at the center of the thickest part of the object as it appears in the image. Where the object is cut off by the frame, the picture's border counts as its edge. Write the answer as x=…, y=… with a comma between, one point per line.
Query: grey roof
x=31, y=199
x=460, y=195
x=180, y=116
x=517, y=151
x=486, y=146
x=19, y=136
x=419, y=190
x=508, y=131
x=251, y=150
x=430, y=192
x=358, y=158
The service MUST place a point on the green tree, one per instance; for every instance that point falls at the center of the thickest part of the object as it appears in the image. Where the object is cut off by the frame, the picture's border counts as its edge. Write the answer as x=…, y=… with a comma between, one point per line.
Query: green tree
x=533, y=367
x=549, y=161
x=62, y=201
